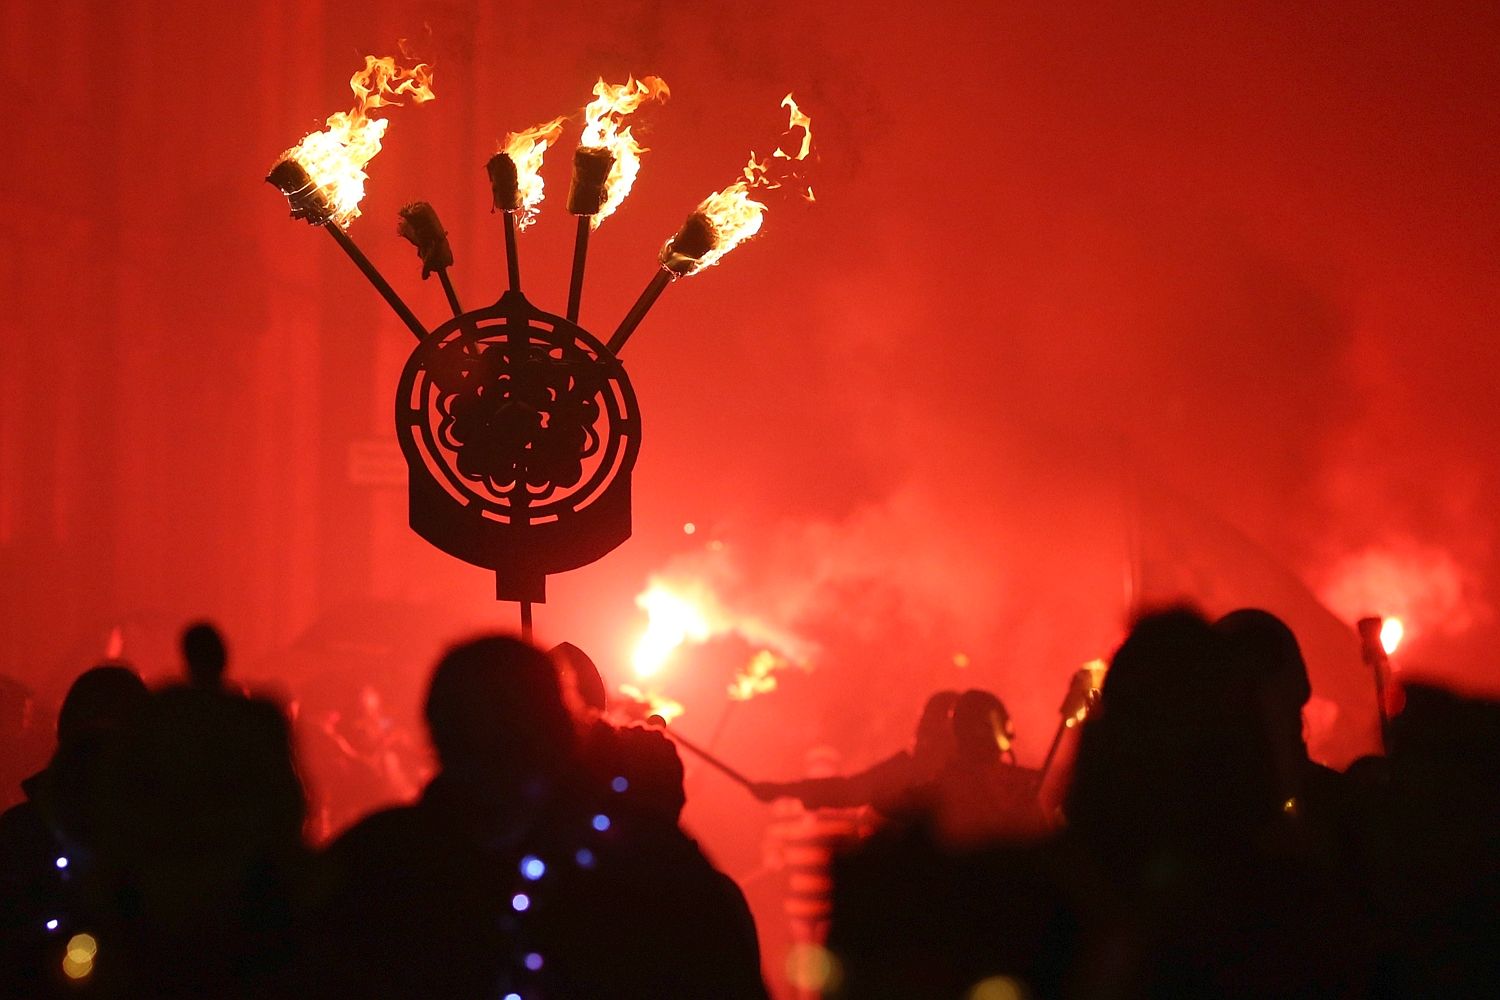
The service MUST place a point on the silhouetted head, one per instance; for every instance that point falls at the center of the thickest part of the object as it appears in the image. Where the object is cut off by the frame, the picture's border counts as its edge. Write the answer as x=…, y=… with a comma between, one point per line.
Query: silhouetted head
x=496, y=706
x=935, y=725
x=104, y=699
x=1177, y=755
x=580, y=671
x=981, y=727
x=205, y=655
x=1267, y=651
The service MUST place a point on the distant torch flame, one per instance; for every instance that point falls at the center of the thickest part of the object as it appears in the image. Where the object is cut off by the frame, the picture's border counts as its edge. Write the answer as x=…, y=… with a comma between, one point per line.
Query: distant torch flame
x=606, y=138
x=656, y=704
x=729, y=217
x=334, y=159
x=671, y=620
x=1392, y=631
x=525, y=150
x=758, y=677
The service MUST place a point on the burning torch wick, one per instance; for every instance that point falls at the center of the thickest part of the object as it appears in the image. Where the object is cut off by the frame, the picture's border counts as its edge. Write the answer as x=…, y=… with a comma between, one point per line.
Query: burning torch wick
x=699, y=752
x=680, y=258
x=309, y=202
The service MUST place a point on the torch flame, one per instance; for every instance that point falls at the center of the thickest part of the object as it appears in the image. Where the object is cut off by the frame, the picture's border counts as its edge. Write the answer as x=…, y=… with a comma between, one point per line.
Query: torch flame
x=671, y=620
x=602, y=129
x=799, y=120
x=335, y=158
x=657, y=704
x=1392, y=631
x=525, y=150
x=731, y=215
x=758, y=677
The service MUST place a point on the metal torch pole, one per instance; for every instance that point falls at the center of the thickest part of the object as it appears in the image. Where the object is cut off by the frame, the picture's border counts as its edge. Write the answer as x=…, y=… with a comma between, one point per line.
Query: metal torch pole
x=580, y=260
x=512, y=254
x=377, y=279
x=452, y=295
x=659, y=283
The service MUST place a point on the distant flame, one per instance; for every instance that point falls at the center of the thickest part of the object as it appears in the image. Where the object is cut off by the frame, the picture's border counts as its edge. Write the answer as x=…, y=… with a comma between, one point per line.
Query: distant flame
x=1391, y=633
x=525, y=149
x=758, y=676
x=655, y=703
x=602, y=129
x=671, y=620
x=731, y=216
x=335, y=158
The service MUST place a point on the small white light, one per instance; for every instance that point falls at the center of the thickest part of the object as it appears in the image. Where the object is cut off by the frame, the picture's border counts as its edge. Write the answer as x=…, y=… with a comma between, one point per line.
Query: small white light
x=511, y=996
x=601, y=822
x=532, y=867
x=52, y=924
x=61, y=862
x=520, y=902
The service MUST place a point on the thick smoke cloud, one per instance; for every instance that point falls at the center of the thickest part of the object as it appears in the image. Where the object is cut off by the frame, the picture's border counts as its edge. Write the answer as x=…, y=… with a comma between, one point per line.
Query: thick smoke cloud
x=1052, y=247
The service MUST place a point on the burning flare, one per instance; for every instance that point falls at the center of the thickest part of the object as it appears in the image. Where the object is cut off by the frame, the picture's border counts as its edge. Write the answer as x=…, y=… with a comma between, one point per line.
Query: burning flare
x=1392, y=631
x=671, y=620
x=525, y=150
x=606, y=144
x=332, y=178
x=729, y=217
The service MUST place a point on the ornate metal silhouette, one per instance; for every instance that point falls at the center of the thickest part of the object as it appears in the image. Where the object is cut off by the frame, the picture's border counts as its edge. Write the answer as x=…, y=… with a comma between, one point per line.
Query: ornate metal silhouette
x=520, y=431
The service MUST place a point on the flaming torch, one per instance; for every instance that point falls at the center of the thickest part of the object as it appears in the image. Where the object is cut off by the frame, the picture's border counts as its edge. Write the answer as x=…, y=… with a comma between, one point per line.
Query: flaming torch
x=605, y=165
x=323, y=176
x=720, y=223
x=516, y=184
x=519, y=428
x=1378, y=639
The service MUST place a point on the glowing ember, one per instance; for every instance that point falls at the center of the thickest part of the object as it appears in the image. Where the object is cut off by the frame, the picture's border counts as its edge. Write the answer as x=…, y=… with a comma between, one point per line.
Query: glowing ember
x=605, y=139
x=671, y=620
x=1391, y=633
x=334, y=159
x=729, y=217
x=656, y=704
x=525, y=150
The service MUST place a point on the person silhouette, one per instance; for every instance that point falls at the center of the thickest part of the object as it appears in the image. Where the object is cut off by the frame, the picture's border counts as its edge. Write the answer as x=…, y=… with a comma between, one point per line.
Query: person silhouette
x=516, y=871
x=203, y=847
x=1313, y=796
x=887, y=784
x=979, y=796
x=49, y=844
x=205, y=656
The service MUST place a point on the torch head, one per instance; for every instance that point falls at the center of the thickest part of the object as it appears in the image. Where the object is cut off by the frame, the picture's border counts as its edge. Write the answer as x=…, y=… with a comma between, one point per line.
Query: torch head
x=591, y=167
x=306, y=199
x=419, y=225
x=504, y=182
x=683, y=254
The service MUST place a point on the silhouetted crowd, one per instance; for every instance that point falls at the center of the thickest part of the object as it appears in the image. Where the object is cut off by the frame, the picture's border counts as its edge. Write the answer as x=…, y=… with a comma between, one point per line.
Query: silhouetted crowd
x=166, y=848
